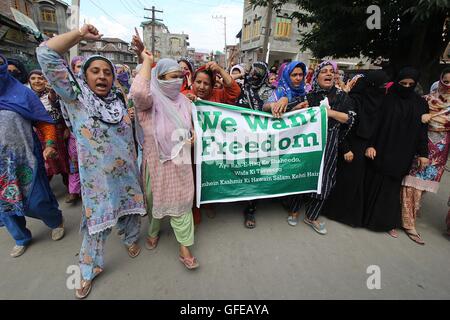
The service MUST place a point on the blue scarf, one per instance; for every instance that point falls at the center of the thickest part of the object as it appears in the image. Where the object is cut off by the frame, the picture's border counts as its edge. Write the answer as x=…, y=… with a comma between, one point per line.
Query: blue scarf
x=15, y=97
x=285, y=86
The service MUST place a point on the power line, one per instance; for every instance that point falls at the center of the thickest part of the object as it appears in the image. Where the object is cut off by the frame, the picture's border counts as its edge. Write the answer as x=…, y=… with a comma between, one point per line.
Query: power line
x=112, y=18
x=129, y=8
x=143, y=5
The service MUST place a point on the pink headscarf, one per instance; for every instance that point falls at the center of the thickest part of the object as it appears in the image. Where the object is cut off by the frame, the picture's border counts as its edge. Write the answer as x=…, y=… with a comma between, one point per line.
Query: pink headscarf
x=280, y=73
x=171, y=111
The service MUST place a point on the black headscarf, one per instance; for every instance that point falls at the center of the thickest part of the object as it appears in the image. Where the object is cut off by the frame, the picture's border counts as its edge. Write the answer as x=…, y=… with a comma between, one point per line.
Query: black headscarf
x=255, y=89
x=22, y=74
x=401, y=134
x=368, y=94
x=406, y=73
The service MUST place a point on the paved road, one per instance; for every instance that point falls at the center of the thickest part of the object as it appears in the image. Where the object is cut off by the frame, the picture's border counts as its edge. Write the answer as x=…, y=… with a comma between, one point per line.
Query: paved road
x=273, y=261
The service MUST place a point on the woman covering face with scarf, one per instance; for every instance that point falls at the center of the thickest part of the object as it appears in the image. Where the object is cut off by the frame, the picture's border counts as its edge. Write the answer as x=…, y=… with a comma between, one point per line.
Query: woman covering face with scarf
x=164, y=114
x=24, y=187
x=346, y=201
x=399, y=136
x=17, y=70
x=110, y=183
x=255, y=90
x=420, y=180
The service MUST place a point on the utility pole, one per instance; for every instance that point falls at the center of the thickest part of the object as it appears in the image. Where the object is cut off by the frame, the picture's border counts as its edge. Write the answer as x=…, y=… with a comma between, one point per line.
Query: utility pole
x=153, y=10
x=74, y=24
x=225, y=28
x=267, y=30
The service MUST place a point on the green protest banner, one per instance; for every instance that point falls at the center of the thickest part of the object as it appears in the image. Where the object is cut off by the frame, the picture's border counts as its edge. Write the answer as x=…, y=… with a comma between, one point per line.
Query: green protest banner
x=243, y=154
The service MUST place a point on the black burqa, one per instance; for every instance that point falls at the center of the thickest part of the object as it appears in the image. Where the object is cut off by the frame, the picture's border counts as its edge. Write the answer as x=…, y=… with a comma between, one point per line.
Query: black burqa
x=400, y=136
x=346, y=202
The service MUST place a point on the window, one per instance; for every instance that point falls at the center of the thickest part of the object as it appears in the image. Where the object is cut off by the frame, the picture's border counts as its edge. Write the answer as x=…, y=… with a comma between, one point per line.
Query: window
x=109, y=56
x=98, y=44
x=247, y=31
x=283, y=27
x=48, y=15
x=119, y=45
x=256, y=27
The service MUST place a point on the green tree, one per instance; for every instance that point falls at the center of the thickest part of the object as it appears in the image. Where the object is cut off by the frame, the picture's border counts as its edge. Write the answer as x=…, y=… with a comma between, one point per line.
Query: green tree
x=413, y=32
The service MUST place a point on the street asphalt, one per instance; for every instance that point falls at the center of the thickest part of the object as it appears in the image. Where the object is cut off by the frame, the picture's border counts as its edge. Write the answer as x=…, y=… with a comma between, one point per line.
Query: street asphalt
x=272, y=261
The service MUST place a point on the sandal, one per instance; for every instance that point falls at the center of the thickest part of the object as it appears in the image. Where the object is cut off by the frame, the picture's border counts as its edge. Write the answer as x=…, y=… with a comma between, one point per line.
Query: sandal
x=190, y=263
x=319, y=227
x=393, y=233
x=415, y=237
x=151, y=243
x=249, y=215
x=292, y=220
x=85, y=289
x=133, y=250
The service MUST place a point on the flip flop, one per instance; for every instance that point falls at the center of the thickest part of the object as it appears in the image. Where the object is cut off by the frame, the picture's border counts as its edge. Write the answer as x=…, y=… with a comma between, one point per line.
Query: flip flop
x=415, y=237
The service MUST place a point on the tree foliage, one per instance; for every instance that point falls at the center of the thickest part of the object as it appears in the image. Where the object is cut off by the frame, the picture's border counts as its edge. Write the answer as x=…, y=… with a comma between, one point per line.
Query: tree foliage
x=413, y=32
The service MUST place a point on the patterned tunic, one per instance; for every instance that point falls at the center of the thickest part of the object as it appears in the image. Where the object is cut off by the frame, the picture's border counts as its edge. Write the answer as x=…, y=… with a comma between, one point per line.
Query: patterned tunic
x=172, y=182
x=17, y=162
x=109, y=175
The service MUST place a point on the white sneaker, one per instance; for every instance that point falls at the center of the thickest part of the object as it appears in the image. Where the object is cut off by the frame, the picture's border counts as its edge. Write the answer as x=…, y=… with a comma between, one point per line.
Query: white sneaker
x=17, y=251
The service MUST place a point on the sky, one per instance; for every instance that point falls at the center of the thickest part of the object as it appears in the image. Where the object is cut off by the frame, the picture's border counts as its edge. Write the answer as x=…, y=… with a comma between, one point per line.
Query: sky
x=117, y=18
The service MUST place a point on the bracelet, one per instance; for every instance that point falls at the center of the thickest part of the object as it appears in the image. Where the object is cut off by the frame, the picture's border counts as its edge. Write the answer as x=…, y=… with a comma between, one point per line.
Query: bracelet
x=50, y=143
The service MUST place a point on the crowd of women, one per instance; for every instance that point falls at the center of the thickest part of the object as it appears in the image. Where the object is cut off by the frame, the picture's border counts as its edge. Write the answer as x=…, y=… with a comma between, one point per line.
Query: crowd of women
x=122, y=144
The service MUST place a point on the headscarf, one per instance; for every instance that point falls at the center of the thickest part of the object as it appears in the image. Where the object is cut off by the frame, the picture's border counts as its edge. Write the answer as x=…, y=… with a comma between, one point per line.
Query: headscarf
x=124, y=77
x=406, y=73
x=109, y=109
x=438, y=102
x=241, y=69
x=315, y=87
x=75, y=60
x=434, y=87
x=22, y=76
x=171, y=111
x=53, y=108
x=18, y=98
x=335, y=66
x=286, y=88
x=257, y=75
x=43, y=92
x=368, y=92
x=189, y=62
x=253, y=82
x=272, y=85
x=280, y=72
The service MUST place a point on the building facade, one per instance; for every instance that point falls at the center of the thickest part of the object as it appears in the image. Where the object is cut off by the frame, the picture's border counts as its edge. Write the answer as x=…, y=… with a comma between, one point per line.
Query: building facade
x=16, y=17
x=283, y=39
x=116, y=50
x=50, y=16
x=167, y=45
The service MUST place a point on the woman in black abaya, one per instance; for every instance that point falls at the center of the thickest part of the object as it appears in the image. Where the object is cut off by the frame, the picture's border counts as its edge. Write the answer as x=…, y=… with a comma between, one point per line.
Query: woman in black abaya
x=346, y=202
x=400, y=136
